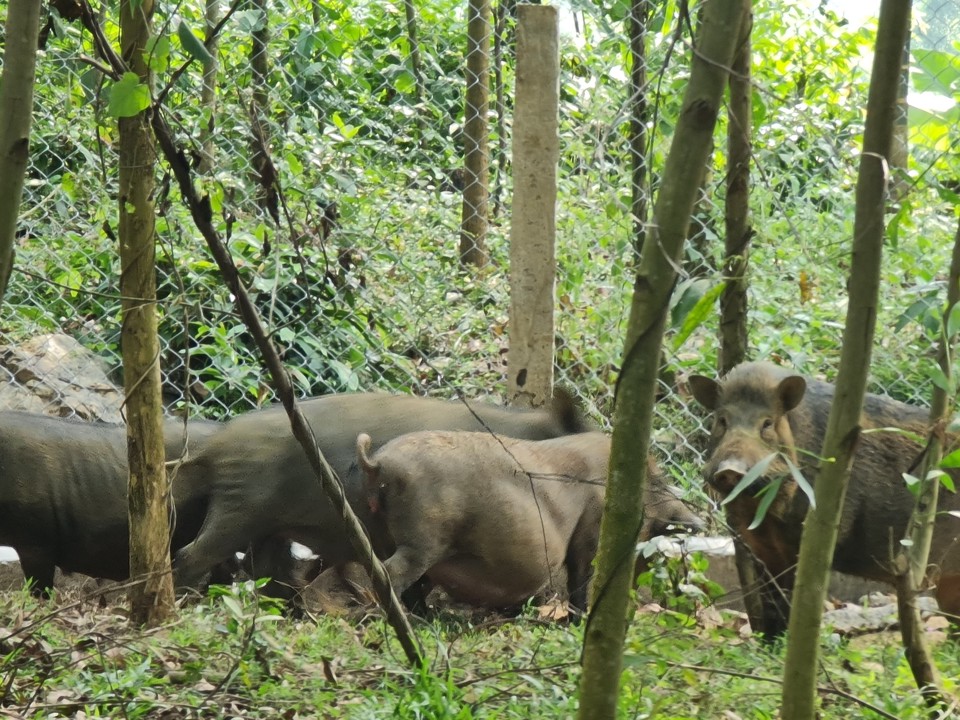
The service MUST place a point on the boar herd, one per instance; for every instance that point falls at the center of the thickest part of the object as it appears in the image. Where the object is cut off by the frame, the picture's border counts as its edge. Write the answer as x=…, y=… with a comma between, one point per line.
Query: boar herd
x=495, y=505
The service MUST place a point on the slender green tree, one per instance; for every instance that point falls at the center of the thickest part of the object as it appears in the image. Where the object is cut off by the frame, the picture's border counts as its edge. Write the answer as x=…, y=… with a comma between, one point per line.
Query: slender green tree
x=843, y=426
x=913, y=559
x=16, y=114
x=633, y=405
x=476, y=158
x=148, y=494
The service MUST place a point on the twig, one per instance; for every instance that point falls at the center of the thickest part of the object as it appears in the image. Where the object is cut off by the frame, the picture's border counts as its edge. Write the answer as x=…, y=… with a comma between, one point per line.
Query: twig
x=202, y=213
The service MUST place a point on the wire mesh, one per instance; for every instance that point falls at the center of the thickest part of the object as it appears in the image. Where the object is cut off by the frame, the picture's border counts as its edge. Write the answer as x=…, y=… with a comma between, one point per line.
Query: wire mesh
x=353, y=253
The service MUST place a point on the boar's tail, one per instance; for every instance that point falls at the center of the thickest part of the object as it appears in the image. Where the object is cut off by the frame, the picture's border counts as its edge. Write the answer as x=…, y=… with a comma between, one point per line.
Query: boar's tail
x=363, y=458
x=566, y=410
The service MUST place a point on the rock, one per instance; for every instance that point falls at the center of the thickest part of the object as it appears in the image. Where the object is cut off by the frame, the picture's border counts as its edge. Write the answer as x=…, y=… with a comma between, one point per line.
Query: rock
x=55, y=375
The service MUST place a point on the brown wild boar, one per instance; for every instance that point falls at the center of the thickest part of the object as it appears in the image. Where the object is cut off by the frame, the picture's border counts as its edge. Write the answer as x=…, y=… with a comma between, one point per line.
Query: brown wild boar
x=760, y=409
x=262, y=489
x=496, y=520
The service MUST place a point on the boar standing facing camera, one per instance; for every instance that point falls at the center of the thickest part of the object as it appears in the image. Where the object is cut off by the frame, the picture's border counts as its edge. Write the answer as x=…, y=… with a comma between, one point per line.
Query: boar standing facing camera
x=496, y=521
x=760, y=409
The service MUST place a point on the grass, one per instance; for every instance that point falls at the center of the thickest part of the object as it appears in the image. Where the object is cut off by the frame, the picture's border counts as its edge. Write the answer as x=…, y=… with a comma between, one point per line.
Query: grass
x=234, y=655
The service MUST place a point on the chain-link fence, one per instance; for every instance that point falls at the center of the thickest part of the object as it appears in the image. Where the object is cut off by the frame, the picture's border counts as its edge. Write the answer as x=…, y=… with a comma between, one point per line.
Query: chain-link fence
x=330, y=139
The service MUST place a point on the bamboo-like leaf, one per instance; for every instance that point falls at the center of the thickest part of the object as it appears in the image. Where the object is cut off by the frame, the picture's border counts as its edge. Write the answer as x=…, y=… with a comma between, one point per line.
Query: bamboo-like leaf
x=805, y=486
x=768, y=494
x=751, y=475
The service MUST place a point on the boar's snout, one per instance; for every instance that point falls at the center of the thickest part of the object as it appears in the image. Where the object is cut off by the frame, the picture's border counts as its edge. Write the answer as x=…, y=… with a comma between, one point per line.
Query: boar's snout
x=727, y=474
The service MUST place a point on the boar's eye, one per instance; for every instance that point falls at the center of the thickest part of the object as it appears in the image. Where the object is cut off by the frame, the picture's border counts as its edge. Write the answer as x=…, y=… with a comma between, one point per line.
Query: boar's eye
x=767, y=425
x=720, y=425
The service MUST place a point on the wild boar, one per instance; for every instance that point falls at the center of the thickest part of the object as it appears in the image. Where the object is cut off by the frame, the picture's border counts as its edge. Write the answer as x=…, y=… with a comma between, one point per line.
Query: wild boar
x=63, y=494
x=262, y=488
x=760, y=409
x=495, y=520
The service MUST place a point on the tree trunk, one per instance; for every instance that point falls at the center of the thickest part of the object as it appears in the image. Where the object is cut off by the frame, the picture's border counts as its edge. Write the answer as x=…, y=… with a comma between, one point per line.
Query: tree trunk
x=416, y=68
x=202, y=214
x=536, y=151
x=476, y=176
x=148, y=495
x=843, y=426
x=499, y=30
x=757, y=595
x=208, y=93
x=639, y=117
x=265, y=175
x=633, y=404
x=900, y=152
x=912, y=562
x=16, y=114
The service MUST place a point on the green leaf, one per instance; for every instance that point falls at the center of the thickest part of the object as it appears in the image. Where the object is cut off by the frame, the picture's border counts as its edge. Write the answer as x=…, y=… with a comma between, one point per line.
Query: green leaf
x=751, y=475
x=698, y=314
x=157, y=53
x=767, y=495
x=953, y=322
x=249, y=21
x=946, y=481
x=191, y=43
x=801, y=481
x=915, y=311
x=912, y=482
x=951, y=461
x=939, y=379
x=405, y=82
x=233, y=605
x=128, y=97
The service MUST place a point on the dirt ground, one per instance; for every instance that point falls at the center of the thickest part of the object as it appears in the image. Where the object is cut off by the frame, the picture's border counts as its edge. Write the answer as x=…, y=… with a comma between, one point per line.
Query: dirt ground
x=11, y=578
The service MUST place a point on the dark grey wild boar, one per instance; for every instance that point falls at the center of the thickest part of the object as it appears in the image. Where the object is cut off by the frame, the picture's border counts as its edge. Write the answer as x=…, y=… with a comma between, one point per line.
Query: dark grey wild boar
x=495, y=520
x=263, y=489
x=63, y=494
x=760, y=409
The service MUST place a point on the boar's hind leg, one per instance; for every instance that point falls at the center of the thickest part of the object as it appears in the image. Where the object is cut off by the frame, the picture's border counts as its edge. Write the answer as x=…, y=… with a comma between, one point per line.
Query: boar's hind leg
x=38, y=566
x=407, y=565
x=579, y=559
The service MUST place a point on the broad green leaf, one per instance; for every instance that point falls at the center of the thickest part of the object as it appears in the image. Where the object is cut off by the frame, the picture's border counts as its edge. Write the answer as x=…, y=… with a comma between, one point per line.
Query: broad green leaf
x=128, y=97
x=191, y=43
x=915, y=311
x=405, y=82
x=939, y=72
x=248, y=21
x=157, y=53
x=698, y=314
x=951, y=461
x=939, y=379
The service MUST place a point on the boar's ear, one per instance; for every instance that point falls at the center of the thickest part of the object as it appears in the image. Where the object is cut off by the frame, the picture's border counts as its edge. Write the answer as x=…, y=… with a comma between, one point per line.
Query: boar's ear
x=705, y=390
x=790, y=391
x=363, y=449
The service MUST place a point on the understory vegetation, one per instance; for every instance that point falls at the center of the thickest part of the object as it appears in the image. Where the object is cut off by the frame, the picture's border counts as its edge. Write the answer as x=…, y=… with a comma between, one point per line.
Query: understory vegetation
x=359, y=279
x=234, y=655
